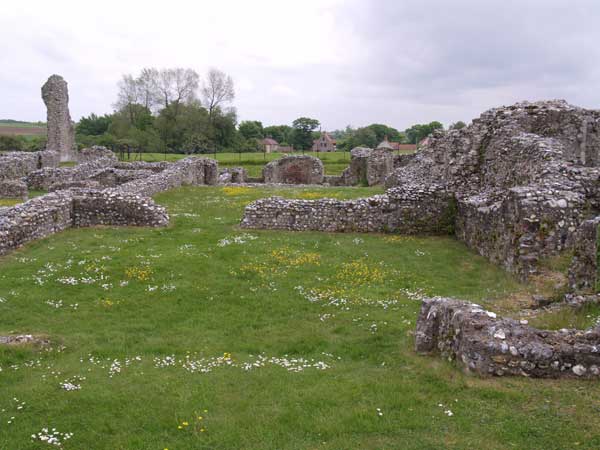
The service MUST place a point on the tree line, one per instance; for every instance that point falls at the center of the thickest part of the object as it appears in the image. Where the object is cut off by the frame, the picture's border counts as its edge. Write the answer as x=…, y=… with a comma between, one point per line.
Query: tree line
x=175, y=110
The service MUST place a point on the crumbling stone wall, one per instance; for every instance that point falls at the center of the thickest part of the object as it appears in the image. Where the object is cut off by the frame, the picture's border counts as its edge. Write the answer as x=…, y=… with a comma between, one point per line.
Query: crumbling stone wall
x=126, y=204
x=524, y=178
x=485, y=344
x=93, y=153
x=297, y=169
x=61, y=137
x=14, y=165
x=13, y=189
x=188, y=171
x=233, y=175
x=368, y=167
x=44, y=178
x=108, y=207
x=583, y=271
x=406, y=209
x=35, y=219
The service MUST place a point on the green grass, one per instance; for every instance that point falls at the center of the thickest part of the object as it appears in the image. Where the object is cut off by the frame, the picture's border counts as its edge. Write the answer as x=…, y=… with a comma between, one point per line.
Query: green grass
x=334, y=162
x=244, y=299
x=16, y=201
x=581, y=318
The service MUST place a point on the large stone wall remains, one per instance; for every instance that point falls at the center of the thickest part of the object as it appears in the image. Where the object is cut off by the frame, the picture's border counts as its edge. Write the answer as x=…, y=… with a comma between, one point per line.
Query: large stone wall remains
x=487, y=345
x=405, y=209
x=14, y=165
x=298, y=169
x=524, y=178
x=368, y=167
x=61, y=136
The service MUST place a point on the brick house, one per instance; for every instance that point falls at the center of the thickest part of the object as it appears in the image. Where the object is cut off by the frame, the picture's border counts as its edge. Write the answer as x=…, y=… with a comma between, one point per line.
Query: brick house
x=324, y=143
x=269, y=145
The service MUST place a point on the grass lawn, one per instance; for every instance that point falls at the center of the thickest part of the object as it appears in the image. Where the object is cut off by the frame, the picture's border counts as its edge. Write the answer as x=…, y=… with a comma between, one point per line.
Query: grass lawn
x=205, y=336
x=335, y=162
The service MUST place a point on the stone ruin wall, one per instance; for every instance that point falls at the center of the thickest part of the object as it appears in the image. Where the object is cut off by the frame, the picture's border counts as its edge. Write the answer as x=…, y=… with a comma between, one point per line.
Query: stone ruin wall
x=298, y=169
x=408, y=210
x=522, y=179
x=487, y=345
x=80, y=206
x=15, y=165
x=61, y=135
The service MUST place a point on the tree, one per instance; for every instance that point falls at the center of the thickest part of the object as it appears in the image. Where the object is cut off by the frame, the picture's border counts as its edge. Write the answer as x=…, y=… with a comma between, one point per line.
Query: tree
x=417, y=133
x=251, y=129
x=94, y=125
x=457, y=125
x=127, y=96
x=303, y=128
x=217, y=90
x=148, y=93
x=281, y=133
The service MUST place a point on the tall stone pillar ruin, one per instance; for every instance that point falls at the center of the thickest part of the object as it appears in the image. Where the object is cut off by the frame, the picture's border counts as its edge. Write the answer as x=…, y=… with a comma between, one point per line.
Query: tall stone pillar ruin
x=61, y=137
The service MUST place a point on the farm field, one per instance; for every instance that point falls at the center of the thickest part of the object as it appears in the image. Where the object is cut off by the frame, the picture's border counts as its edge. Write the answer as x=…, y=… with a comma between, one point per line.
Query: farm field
x=22, y=129
x=202, y=335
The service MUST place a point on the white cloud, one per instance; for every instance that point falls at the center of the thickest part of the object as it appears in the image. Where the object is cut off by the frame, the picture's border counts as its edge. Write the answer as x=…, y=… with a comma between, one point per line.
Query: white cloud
x=341, y=61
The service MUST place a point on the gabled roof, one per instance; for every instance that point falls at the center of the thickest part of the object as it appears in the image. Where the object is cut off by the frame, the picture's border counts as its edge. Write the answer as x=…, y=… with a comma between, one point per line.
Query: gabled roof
x=269, y=141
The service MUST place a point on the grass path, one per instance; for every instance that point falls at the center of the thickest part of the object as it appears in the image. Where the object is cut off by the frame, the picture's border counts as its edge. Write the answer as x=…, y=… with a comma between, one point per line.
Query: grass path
x=205, y=336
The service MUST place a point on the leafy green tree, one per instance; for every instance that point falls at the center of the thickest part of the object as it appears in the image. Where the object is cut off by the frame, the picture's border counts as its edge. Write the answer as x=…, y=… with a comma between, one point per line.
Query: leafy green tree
x=251, y=129
x=418, y=132
x=303, y=127
x=457, y=125
x=93, y=125
x=281, y=133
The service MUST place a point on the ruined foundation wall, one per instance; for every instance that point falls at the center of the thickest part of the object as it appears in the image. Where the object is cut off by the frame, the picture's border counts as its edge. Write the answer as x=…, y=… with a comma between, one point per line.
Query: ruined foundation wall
x=408, y=210
x=484, y=344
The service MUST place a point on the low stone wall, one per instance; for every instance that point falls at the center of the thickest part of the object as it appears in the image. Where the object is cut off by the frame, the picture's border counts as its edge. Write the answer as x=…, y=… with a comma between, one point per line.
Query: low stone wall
x=93, y=153
x=127, y=204
x=143, y=165
x=112, y=177
x=487, y=345
x=13, y=189
x=297, y=169
x=44, y=178
x=109, y=207
x=406, y=209
x=188, y=171
x=583, y=271
x=233, y=175
x=35, y=219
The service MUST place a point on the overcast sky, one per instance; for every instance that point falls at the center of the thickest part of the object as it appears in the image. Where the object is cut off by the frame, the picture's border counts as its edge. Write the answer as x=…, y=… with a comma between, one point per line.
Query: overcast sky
x=343, y=62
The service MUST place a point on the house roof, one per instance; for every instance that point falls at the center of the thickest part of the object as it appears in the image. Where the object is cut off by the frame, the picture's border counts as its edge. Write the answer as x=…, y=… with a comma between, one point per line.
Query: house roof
x=325, y=135
x=269, y=141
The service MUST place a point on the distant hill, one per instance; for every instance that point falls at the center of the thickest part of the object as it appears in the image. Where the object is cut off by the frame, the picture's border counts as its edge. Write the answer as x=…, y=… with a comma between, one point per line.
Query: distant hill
x=21, y=123
x=21, y=128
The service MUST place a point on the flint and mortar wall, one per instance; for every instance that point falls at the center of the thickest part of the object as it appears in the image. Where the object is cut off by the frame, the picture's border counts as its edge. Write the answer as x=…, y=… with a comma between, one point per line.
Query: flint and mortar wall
x=583, y=271
x=487, y=345
x=409, y=210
